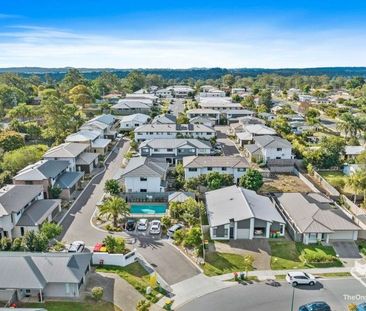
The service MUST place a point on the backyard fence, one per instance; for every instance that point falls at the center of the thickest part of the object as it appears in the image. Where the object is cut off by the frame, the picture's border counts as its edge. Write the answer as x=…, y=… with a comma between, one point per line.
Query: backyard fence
x=306, y=181
x=331, y=191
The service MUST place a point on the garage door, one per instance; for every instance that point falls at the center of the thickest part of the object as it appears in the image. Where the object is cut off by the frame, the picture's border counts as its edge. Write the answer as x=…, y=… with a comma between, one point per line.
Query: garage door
x=341, y=235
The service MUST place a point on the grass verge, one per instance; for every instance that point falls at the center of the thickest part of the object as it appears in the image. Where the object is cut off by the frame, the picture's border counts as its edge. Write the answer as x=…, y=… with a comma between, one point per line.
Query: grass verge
x=88, y=305
x=292, y=255
x=221, y=263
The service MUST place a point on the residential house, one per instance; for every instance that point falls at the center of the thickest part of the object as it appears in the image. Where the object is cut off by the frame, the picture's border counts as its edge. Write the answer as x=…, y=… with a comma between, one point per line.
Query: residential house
x=105, y=123
x=312, y=217
x=158, y=131
x=147, y=97
x=180, y=196
x=38, y=276
x=164, y=93
x=165, y=119
x=268, y=148
x=351, y=152
x=76, y=154
x=212, y=92
x=235, y=213
x=181, y=91
x=92, y=139
x=50, y=174
x=250, y=131
x=349, y=169
x=202, y=120
x=195, y=166
x=219, y=103
x=267, y=116
x=23, y=208
x=112, y=98
x=132, y=106
x=173, y=150
x=132, y=121
x=210, y=114
x=144, y=174
x=232, y=115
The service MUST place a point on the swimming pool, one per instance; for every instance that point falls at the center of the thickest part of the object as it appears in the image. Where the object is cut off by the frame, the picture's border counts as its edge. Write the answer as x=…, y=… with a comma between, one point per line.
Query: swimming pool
x=148, y=208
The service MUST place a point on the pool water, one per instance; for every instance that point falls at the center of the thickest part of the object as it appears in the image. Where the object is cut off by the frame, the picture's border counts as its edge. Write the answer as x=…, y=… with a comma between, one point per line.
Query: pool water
x=148, y=209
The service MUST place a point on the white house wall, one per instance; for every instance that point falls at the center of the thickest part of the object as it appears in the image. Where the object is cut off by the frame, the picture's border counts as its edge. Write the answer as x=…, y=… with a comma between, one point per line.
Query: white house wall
x=133, y=184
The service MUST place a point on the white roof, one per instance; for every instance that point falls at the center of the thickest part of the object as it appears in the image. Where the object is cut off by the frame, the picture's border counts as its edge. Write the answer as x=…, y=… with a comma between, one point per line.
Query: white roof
x=237, y=203
x=137, y=117
x=354, y=150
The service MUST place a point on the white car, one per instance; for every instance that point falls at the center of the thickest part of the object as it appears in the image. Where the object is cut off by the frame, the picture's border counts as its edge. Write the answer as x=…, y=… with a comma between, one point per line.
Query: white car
x=173, y=229
x=300, y=278
x=76, y=247
x=142, y=224
x=155, y=227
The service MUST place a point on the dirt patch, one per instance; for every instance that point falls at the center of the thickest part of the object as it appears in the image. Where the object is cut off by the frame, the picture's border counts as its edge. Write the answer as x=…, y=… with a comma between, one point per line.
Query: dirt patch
x=284, y=183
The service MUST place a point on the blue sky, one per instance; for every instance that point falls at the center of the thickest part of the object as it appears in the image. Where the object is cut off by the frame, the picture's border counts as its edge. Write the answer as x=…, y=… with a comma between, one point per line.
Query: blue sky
x=182, y=34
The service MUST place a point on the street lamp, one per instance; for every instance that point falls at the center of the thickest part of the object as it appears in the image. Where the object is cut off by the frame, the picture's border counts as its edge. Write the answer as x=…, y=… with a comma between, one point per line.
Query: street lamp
x=293, y=298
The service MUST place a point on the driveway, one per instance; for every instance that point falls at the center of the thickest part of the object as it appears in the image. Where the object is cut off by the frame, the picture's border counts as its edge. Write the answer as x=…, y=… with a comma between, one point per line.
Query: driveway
x=172, y=266
x=258, y=248
x=346, y=249
x=229, y=148
x=177, y=106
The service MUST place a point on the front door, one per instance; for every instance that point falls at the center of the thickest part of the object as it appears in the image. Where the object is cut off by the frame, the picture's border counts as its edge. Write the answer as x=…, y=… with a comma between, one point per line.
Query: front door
x=231, y=232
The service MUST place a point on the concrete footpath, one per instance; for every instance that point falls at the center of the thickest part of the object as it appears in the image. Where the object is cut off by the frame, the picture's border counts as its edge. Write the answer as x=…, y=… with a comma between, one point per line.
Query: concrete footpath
x=271, y=274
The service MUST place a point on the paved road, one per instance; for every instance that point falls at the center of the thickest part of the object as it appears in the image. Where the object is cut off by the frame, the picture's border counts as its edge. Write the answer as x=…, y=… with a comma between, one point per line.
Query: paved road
x=262, y=297
x=169, y=263
x=229, y=147
x=177, y=106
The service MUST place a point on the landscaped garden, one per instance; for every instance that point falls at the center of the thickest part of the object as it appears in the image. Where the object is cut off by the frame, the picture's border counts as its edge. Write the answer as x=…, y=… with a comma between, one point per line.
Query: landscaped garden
x=220, y=263
x=294, y=255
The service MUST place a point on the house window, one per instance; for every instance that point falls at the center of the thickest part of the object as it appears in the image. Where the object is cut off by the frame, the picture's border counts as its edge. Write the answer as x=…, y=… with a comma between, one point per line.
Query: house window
x=209, y=168
x=279, y=149
x=192, y=169
x=156, y=150
x=241, y=169
x=143, y=190
x=21, y=231
x=169, y=150
x=223, y=168
x=143, y=179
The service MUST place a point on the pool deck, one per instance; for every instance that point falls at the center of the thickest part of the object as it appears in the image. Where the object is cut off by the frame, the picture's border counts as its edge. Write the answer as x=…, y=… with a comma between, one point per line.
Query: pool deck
x=133, y=215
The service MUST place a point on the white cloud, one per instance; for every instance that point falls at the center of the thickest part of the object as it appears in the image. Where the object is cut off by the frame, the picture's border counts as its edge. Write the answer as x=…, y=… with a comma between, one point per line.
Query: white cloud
x=49, y=47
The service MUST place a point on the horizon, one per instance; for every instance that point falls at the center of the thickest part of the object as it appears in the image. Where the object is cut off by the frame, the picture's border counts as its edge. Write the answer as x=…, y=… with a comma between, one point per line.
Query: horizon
x=208, y=34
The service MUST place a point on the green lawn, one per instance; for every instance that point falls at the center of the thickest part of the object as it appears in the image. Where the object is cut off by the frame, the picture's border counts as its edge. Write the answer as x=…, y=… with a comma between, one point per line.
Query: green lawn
x=136, y=275
x=221, y=263
x=291, y=255
x=72, y=306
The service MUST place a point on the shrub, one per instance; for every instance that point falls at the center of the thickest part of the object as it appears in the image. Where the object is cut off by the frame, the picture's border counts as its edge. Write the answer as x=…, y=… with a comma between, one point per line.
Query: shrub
x=97, y=293
x=110, y=227
x=143, y=305
x=318, y=258
x=352, y=307
x=5, y=244
x=114, y=245
x=179, y=236
x=59, y=246
x=16, y=245
x=193, y=238
x=338, y=183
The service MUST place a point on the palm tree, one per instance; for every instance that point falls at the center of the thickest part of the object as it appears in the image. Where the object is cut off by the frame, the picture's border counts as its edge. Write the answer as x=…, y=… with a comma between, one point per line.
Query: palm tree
x=113, y=208
x=357, y=181
x=344, y=123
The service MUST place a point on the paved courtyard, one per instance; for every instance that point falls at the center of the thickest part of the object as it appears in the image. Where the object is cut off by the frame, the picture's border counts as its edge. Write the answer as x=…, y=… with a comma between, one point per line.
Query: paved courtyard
x=228, y=145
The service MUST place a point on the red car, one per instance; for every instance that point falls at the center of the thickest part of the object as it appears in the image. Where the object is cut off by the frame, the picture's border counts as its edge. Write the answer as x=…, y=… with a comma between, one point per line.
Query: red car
x=97, y=247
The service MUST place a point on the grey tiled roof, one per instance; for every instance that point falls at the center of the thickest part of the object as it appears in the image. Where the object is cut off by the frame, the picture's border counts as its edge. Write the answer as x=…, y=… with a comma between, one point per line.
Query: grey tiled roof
x=314, y=213
x=66, y=150
x=164, y=119
x=34, y=270
x=209, y=161
x=41, y=170
x=175, y=143
x=268, y=141
x=14, y=197
x=145, y=167
x=68, y=179
x=237, y=203
x=38, y=212
x=176, y=128
x=86, y=158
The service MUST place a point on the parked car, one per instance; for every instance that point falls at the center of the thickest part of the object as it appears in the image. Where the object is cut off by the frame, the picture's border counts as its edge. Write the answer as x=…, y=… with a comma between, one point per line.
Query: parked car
x=300, y=278
x=155, y=227
x=76, y=247
x=361, y=307
x=130, y=225
x=142, y=224
x=315, y=306
x=119, y=135
x=173, y=229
